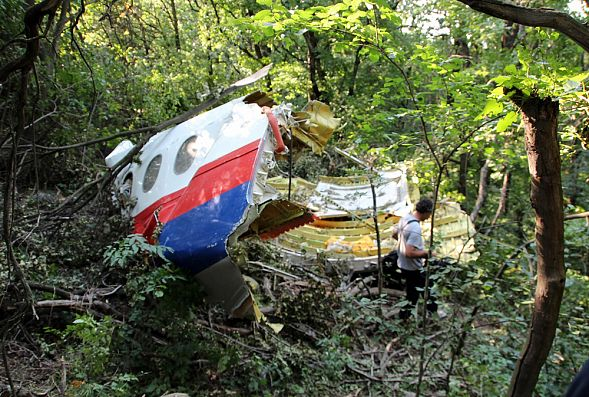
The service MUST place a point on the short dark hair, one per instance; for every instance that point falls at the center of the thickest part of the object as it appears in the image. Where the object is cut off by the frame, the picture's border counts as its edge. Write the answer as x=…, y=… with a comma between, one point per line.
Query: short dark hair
x=424, y=205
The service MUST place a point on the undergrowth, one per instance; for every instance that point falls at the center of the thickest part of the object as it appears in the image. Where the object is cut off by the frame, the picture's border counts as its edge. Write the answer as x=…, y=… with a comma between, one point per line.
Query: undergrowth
x=162, y=336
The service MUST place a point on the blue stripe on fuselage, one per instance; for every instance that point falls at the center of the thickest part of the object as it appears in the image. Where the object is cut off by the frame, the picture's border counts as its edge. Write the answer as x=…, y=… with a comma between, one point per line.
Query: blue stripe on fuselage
x=198, y=237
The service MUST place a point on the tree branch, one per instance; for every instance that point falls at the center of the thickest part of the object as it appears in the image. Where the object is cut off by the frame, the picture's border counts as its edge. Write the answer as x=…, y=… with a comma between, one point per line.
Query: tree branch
x=577, y=216
x=33, y=18
x=537, y=17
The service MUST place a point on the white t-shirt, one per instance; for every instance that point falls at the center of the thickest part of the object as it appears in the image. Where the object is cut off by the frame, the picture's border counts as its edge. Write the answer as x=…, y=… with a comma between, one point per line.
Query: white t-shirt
x=409, y=233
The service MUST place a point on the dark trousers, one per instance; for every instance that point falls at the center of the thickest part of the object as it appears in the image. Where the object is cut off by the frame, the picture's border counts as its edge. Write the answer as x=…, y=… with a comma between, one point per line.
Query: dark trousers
x=415, y=279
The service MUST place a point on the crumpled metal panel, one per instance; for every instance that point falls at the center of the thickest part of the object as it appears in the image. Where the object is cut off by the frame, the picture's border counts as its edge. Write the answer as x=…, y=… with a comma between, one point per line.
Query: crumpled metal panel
x=345, y=228
x=315, y=125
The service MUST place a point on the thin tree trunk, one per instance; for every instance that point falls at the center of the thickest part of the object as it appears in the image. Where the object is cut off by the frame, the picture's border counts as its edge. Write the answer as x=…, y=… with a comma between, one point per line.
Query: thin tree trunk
x=33, y=18
x=53, y=52
x=509, y=36
x=575, y=190
x=502, y=207
x=352, y=87
x=463, y=174
x=175, y=23
x=540, y=118
x=482, y=196
x=462, y=50
x=315, y=70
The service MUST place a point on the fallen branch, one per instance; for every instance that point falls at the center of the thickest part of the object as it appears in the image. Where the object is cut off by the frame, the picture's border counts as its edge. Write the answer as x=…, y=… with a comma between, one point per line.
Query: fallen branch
x=405, y=377
x=373, y=291
x=79, y=305
x=577, y=216
x=271, y=269
x=19, y=392
x=75, y=301
x=70, y=295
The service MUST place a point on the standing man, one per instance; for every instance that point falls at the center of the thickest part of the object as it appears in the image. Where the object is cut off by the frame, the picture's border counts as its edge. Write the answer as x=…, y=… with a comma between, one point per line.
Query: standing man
x=412, y=255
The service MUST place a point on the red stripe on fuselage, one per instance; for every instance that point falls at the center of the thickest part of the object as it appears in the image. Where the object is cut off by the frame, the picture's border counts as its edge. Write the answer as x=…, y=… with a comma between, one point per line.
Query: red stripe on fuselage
x=211, y=180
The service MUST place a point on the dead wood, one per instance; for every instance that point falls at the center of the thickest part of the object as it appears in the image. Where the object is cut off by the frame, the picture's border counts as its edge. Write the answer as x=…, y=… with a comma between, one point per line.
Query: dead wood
x=18, y=392
x=580, y=215
x=78, y=305
x=373, y=291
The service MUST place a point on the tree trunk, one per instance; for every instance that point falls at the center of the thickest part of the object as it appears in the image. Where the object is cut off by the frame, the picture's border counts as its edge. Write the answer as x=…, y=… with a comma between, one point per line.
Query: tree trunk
x=175, y=23
x=352, y=86
x=33, y=19
x=53, y=51
x=463, y=175
x=540, y=116
x=502, y=207
x=462, y=50
x=482, y=196
x=315, y=70
x=509, y=36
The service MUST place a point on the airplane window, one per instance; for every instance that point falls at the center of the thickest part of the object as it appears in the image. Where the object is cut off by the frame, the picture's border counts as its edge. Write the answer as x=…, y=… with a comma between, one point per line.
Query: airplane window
x=151, y=173
x=186, y=155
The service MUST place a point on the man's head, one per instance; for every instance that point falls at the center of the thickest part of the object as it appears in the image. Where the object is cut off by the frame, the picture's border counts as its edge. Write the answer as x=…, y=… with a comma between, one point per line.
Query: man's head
x=423, y=209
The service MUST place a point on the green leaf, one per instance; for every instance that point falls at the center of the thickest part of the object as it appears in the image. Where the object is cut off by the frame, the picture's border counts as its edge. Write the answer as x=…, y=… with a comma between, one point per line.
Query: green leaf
x=506, y=121
x=492, y=108
x=580, y=77
x=263, y=16
x=223, y=363
x=373, y=56
x=497, y=92
x=501, y=79
x=267, y=3
x=511, y=69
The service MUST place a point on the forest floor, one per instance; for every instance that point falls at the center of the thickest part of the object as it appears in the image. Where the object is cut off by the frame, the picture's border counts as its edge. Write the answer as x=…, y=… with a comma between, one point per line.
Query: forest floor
x=128, y=325
x=328, y=320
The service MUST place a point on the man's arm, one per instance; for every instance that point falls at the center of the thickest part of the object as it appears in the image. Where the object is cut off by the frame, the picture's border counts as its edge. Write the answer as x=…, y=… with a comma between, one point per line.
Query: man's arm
x=412, y=252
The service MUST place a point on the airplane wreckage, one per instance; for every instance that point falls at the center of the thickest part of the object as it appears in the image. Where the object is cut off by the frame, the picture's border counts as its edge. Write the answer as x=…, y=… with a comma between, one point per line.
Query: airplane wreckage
x=204, y=184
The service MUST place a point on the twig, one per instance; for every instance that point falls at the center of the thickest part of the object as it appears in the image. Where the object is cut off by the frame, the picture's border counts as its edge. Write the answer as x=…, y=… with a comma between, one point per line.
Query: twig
x=63, y=383
x=233, y=340
x=79, y=305
x=272, y=269
x=7, y=369
x=378, y=291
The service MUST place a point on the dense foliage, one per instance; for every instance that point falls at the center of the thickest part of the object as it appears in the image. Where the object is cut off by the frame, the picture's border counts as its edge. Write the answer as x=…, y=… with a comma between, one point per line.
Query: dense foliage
x=428, y=84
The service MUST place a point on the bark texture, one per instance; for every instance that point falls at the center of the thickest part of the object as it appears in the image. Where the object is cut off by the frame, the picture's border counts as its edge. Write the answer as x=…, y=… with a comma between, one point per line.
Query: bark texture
x=540, y=116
